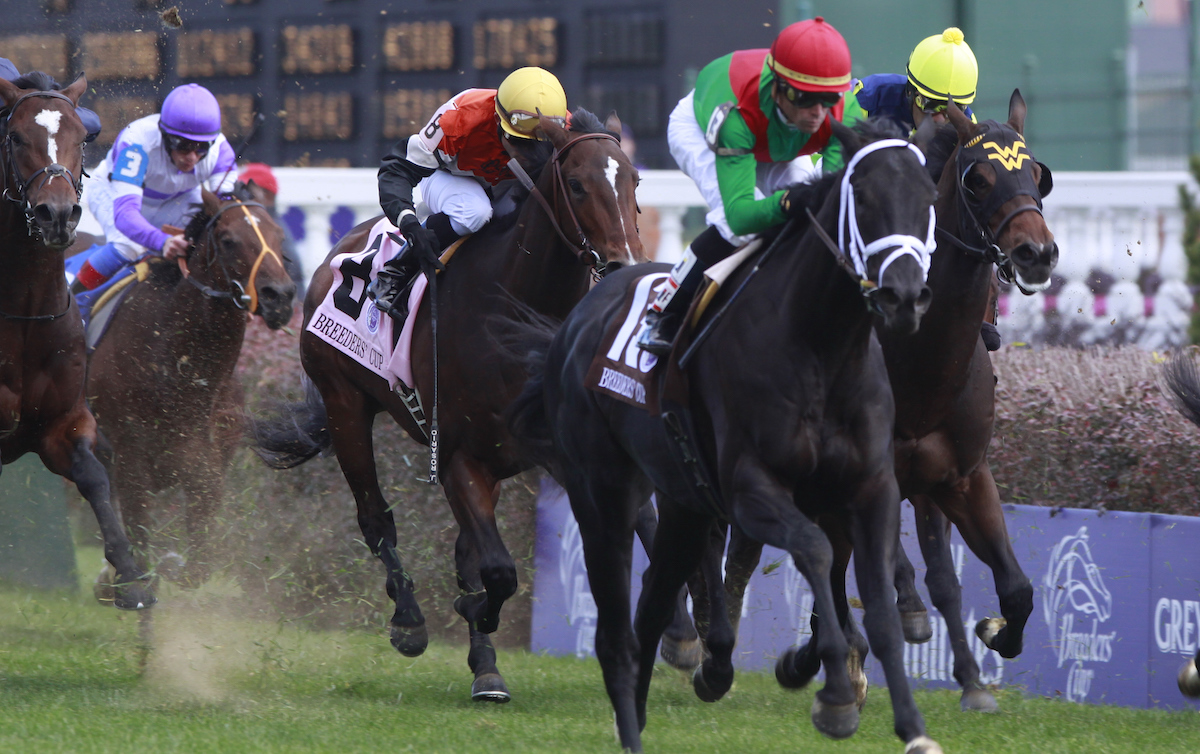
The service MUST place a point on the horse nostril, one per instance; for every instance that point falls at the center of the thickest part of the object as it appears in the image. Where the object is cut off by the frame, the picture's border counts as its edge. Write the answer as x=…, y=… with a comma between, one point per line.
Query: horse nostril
x=43, y=214
x=76, y=214
x=269, y=293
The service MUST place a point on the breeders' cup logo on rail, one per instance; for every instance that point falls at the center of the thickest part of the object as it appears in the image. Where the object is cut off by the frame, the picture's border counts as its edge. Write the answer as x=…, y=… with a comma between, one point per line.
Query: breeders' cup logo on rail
x=1075, y=604
x=572, y=574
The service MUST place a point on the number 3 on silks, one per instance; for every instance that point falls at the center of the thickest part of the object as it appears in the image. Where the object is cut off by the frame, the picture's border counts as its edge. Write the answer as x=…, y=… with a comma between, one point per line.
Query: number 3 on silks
x=131, y=165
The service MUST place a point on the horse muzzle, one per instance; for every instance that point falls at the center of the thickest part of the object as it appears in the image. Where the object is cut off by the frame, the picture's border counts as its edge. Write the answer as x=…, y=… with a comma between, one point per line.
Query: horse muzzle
x=275, y=303
x=1032, y=265
x=56, y=222
x=901, y=313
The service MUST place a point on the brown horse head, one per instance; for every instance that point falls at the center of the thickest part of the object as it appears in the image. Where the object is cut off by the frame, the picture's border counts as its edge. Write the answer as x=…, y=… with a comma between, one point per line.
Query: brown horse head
x=598, y=182
x=1002, y=187
x=237, y=249
x=43, y=154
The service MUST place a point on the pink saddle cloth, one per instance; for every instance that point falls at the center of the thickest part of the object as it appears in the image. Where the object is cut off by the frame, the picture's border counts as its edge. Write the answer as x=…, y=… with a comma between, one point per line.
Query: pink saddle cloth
x=348, y=319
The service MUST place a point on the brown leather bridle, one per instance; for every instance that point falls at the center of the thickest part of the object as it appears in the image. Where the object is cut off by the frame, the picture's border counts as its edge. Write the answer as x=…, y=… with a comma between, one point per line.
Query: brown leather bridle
x=583, y=249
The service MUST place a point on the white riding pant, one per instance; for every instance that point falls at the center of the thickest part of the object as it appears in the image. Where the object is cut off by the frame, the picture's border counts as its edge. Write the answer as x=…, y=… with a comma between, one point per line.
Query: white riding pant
x=685, y=137
x=459, y=197
x=99, y=197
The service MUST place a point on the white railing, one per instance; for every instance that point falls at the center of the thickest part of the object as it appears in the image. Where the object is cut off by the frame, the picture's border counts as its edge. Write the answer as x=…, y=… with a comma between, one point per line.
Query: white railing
x=1122, y=223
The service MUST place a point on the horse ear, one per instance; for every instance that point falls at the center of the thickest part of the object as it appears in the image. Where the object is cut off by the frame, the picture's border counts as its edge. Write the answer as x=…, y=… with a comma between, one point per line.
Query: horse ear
x=613, y=123
x=851, y=141
x=1046, y=181
x=924, y=135
x=212, y=203
x=76, y=89
x=962, y=124
x=8, y=92
x=1016, y=112
x=557, y=134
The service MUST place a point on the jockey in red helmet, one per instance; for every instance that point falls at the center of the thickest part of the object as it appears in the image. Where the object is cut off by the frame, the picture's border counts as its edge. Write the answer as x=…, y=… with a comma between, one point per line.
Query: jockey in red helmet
x=751, y=128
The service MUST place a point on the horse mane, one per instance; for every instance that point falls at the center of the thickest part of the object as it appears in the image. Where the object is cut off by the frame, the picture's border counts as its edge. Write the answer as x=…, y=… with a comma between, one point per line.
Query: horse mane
x=39, y=80
x=941, y=147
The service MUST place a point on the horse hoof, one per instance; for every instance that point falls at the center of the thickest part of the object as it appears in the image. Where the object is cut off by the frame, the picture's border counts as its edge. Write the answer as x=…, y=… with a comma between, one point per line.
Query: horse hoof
x=133, y=597
x=490, y=687
x=1189, y=680
x=409, y=641
x=988, y=628
x=682, y=655
x=785, y=671
x=837, y=721
x=916, y=625
x=922, y=745
x=978, y=700
x=704, y=692
x=858, y=679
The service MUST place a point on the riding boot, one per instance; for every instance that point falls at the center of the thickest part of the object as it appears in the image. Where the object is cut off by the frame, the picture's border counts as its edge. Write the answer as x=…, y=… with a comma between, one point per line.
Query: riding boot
x=397, y=273
x=669, y=308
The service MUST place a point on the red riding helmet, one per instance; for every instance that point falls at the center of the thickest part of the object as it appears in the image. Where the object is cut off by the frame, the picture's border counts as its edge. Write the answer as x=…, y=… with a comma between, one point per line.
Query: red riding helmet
x=811, y=56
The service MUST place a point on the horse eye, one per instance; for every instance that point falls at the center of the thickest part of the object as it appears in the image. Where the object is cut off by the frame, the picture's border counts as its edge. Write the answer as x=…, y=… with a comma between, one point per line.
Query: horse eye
x=575, y=185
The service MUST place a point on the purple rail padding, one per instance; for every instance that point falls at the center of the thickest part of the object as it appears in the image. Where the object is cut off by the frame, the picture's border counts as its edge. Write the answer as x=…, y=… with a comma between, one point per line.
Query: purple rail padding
x=1116, y=603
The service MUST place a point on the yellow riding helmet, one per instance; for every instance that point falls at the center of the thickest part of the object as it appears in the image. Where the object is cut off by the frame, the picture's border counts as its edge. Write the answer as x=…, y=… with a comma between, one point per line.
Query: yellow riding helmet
x=943, y=66
x=525, y=93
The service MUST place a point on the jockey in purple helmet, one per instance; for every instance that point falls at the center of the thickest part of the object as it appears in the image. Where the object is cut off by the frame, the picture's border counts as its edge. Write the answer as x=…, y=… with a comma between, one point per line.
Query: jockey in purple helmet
x=152, y=177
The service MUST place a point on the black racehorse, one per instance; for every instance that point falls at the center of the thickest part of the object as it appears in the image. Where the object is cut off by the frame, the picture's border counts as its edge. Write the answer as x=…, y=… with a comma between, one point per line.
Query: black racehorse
x=1183, y=380
x=791, y=413
x=989, y=213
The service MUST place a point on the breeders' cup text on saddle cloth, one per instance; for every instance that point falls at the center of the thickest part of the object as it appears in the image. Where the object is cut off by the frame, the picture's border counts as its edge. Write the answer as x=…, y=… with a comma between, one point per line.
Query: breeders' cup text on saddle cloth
x=349, y=320
x=621, y=368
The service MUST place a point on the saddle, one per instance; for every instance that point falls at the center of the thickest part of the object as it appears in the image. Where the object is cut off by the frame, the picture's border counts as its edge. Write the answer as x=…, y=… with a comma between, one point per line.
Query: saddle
x=98, y=306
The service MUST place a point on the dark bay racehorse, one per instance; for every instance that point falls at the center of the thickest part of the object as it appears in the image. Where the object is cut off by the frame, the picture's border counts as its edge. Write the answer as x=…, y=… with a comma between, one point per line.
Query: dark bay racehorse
x=989, y=212
x=792, y=413
x=1183, y=380
x=530, y=256
x=161, y=379
x=42, y=357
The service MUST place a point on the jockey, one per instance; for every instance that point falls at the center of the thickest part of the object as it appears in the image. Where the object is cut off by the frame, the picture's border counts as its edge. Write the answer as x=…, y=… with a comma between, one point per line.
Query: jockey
x=466, y=146
x=91, y=121
x=152, y=177
x=940, y=68
x=745, y=134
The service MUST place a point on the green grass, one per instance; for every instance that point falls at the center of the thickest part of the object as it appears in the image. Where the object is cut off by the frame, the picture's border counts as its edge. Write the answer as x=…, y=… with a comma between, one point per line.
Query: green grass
x=70, y=681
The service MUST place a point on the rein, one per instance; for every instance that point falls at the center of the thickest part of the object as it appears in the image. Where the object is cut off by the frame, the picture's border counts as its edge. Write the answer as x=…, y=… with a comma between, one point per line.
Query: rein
x=40, y=317
x=583, y=249
x=51, y=171
x=244, y=297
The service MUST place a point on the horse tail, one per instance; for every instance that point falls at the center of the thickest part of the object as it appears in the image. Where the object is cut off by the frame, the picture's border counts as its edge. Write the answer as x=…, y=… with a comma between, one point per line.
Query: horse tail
x=1183, y=380
x=297, y=432
x=526, y=339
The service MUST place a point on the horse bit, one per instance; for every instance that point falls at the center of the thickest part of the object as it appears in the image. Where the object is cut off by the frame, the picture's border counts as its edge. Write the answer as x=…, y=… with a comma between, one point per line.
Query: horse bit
x=583, y=249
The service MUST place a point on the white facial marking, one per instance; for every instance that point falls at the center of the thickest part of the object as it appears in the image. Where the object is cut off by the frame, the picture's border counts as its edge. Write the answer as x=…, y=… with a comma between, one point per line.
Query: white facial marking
x=49, y=120
x=610, y=172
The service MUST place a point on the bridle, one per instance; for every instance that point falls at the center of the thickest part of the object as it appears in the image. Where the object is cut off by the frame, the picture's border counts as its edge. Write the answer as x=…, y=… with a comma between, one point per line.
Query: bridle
x=49, y=172
x=583, y=249
x=244, y=297
x=852, y=253
x=970, y=209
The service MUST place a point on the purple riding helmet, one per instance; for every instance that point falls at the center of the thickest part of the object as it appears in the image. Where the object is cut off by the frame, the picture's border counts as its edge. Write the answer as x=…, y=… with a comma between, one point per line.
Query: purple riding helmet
x=191, y=112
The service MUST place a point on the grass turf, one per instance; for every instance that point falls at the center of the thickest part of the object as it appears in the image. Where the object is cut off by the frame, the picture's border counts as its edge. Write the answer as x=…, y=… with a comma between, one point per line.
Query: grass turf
x=71, y=680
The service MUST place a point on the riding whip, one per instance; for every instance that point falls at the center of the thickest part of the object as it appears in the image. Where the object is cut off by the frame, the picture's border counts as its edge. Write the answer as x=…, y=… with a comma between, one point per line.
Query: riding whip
x=430, y=272
x=259, y=119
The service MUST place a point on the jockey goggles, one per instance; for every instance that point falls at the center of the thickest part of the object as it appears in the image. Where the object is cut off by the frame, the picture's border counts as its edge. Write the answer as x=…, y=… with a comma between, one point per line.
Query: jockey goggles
x=180, y=144
x=804, y=99
x=527, y=122
x=930, y=106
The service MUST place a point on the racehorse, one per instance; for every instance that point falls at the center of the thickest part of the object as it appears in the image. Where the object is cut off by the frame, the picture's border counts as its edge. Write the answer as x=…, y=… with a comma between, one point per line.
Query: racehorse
x=990, y=193
x=792, y=418
x=161, y=378
x=541, y=254
x=1183, y=380
x=42, y=358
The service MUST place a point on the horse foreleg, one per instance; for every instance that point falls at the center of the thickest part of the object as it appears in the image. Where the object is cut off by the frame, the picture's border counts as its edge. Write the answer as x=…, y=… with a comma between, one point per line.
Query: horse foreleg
x=203, y=495
x=740, y=562
x=875, y=530
x=714, y=677
x=350, y=422
x=489, y=685
x=914, y=618
x=1189, y=677
x=69, y=454
x=933, y=532
x=977, y=513
x=681, y=647
x=767, y=513
x=473, y=493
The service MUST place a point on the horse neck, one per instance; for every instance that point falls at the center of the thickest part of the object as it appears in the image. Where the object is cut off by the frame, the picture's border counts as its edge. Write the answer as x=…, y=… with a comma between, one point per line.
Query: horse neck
x=34, y=279
x=538, y=268
x=209, y=330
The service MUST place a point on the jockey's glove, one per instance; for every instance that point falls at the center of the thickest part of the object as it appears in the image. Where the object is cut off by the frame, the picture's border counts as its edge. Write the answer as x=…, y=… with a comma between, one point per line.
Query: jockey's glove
x=423, y=242
x=796, y=198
